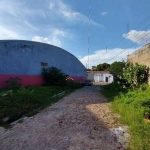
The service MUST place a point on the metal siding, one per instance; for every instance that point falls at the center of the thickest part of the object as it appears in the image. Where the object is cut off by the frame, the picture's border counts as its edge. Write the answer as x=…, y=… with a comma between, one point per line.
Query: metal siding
x=25, y=57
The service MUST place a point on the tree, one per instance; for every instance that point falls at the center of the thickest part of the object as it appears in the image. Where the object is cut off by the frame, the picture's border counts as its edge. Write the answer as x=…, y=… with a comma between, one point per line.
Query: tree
x=136, y=74
x=88, y=69
x=116, y=68
x=54, y=76
x=94, y=68
x=103, y=67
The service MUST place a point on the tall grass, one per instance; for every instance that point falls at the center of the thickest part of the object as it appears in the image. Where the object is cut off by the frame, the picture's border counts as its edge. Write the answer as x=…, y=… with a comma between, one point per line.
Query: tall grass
x=132, y=105
x=27, y=101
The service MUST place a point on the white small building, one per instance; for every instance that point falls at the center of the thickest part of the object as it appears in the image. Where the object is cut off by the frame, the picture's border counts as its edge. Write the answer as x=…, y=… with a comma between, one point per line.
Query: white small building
x=100, y=76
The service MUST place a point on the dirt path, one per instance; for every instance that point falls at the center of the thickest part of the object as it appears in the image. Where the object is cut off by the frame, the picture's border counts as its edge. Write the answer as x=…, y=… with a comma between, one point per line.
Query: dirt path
x=80, y=121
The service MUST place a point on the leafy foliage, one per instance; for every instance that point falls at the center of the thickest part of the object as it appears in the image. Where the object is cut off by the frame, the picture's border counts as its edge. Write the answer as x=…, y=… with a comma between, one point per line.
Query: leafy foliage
x=136, y=74
x=133, y=105
x=54, y=76
x=116, y=68
x=28, y=101
x=14, y=82
x=94, y=68
x=15, y=102
x=103, y=67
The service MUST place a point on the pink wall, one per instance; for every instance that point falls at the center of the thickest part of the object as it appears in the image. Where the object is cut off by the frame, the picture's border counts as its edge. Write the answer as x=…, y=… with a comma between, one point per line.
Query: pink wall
x=31, y=79
x=26, y=79
x=79, y=79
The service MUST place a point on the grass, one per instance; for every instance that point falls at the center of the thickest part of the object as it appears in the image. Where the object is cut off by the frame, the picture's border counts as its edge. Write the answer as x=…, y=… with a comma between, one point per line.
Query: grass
x=133, y=105
x=27, y=101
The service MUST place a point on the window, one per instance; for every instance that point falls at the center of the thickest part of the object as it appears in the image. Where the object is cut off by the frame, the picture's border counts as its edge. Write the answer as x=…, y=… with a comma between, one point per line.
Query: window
x=44, y=64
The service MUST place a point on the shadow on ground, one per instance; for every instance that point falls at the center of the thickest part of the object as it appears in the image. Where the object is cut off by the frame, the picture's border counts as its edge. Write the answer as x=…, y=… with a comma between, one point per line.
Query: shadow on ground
x=80, y=121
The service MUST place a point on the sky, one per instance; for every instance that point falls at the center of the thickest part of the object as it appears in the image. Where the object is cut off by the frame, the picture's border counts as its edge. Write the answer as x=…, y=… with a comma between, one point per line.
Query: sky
x=94, y=31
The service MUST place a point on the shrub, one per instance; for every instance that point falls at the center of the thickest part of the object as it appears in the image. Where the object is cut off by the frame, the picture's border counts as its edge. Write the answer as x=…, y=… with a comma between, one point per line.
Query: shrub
x=135, y=75
x=14, y=103
x=133, y=105
x=14, y=82
x=54, y=76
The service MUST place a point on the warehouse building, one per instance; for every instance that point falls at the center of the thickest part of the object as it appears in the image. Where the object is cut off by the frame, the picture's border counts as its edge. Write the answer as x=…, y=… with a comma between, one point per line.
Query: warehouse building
x=25, y=59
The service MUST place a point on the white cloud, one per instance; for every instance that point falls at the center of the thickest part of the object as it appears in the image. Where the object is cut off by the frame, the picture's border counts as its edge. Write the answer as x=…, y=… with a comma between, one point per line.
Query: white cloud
x=8, y=34
x=104, y=13
x=63, y=10
x=30, y=25
x=101, y=56
x=41, y=39
x=53, y=41
x=57, y=32
x=20, y=9
x=138, y=36
x=54, y=38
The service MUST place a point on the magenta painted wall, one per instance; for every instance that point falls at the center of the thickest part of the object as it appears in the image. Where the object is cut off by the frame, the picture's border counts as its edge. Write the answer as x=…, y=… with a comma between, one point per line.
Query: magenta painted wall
x=78, y=79
x=25, y=59
x=32, y=79
x=26, y=79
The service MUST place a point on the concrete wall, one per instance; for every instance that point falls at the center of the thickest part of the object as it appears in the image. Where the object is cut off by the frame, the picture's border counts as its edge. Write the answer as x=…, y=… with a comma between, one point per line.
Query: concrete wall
x=103, y=78
x=141, y=56
x=100, y=76
x=25, y=59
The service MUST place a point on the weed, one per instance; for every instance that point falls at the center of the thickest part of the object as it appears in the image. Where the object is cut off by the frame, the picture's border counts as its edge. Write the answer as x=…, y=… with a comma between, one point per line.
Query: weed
x=14, y=82
x=133, y=105
x=27, y=101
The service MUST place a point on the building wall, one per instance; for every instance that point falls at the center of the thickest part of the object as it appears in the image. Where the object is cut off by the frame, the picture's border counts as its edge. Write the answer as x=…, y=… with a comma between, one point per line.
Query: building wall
x=100, y=76
x=103, y=78
x=25, y=59
x=141, y=56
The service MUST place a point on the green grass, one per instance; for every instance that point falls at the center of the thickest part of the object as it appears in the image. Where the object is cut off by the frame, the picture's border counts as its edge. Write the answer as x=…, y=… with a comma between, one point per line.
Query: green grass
x=27, y=101
x=133, y=105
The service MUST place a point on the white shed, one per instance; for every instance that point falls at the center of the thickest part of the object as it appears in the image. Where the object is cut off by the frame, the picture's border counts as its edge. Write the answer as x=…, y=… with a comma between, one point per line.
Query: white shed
x=100, y=76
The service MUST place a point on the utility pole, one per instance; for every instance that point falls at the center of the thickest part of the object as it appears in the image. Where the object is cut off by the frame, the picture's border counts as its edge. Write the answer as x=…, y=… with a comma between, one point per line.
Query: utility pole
x=128, y=33
x=89, y=34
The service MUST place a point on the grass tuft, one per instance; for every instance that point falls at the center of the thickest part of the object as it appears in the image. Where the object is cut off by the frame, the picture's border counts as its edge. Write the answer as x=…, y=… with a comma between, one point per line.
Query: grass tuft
x=133, y=106
x=28, y=101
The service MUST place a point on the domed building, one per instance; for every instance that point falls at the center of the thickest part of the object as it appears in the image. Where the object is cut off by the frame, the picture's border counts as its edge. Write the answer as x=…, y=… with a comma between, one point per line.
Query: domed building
x=25, y=59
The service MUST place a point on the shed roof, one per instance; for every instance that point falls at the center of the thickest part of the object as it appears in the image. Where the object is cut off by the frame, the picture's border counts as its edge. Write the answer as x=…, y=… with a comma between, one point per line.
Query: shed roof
x=101, y=72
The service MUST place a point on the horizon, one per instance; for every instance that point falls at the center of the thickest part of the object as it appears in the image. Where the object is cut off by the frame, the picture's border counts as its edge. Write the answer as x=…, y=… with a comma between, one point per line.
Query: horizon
x=116, y=28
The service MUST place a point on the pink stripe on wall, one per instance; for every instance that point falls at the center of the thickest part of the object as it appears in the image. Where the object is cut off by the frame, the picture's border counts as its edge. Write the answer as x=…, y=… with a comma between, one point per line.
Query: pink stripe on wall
x=32, y=79
x=79, y=79
x=26, y=79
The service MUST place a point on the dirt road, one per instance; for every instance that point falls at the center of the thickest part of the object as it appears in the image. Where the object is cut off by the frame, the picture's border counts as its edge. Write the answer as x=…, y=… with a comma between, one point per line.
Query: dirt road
x=80, y=121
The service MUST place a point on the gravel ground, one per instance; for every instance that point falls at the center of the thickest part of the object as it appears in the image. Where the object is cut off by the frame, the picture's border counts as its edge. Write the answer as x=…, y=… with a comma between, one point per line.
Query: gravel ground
x=80, y=121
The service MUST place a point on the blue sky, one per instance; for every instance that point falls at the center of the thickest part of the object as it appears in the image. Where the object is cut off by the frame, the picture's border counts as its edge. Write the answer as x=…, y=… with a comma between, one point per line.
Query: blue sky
x=117, y=27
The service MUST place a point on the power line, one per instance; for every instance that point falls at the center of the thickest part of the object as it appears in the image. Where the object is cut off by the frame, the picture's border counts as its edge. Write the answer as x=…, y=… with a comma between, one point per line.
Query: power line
x=140, y=39
x=128, y=27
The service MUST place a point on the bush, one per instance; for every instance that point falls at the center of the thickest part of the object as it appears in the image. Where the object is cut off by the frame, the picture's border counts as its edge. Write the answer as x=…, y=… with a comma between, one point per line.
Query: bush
x=135, y=75
x=14, y=82
x=133, y=105
x=54, y=76
x=15, y=103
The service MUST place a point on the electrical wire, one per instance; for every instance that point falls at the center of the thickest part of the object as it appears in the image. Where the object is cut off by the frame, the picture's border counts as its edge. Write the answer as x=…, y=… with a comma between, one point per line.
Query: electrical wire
x=114, y=53
x=139, y=41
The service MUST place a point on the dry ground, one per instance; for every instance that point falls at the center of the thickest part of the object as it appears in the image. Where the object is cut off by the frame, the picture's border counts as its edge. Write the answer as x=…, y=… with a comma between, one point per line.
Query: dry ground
x=80, y=121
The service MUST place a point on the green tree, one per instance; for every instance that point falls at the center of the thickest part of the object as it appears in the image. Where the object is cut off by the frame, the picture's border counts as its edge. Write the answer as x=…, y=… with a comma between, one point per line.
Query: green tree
x=116, y=68
x=54, y=76
x=136, y=74
x=103, y=67
x=94, y=68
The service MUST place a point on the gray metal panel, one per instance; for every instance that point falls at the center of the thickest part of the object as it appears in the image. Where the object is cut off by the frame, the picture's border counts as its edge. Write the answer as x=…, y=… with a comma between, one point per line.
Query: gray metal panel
x=25, y=57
